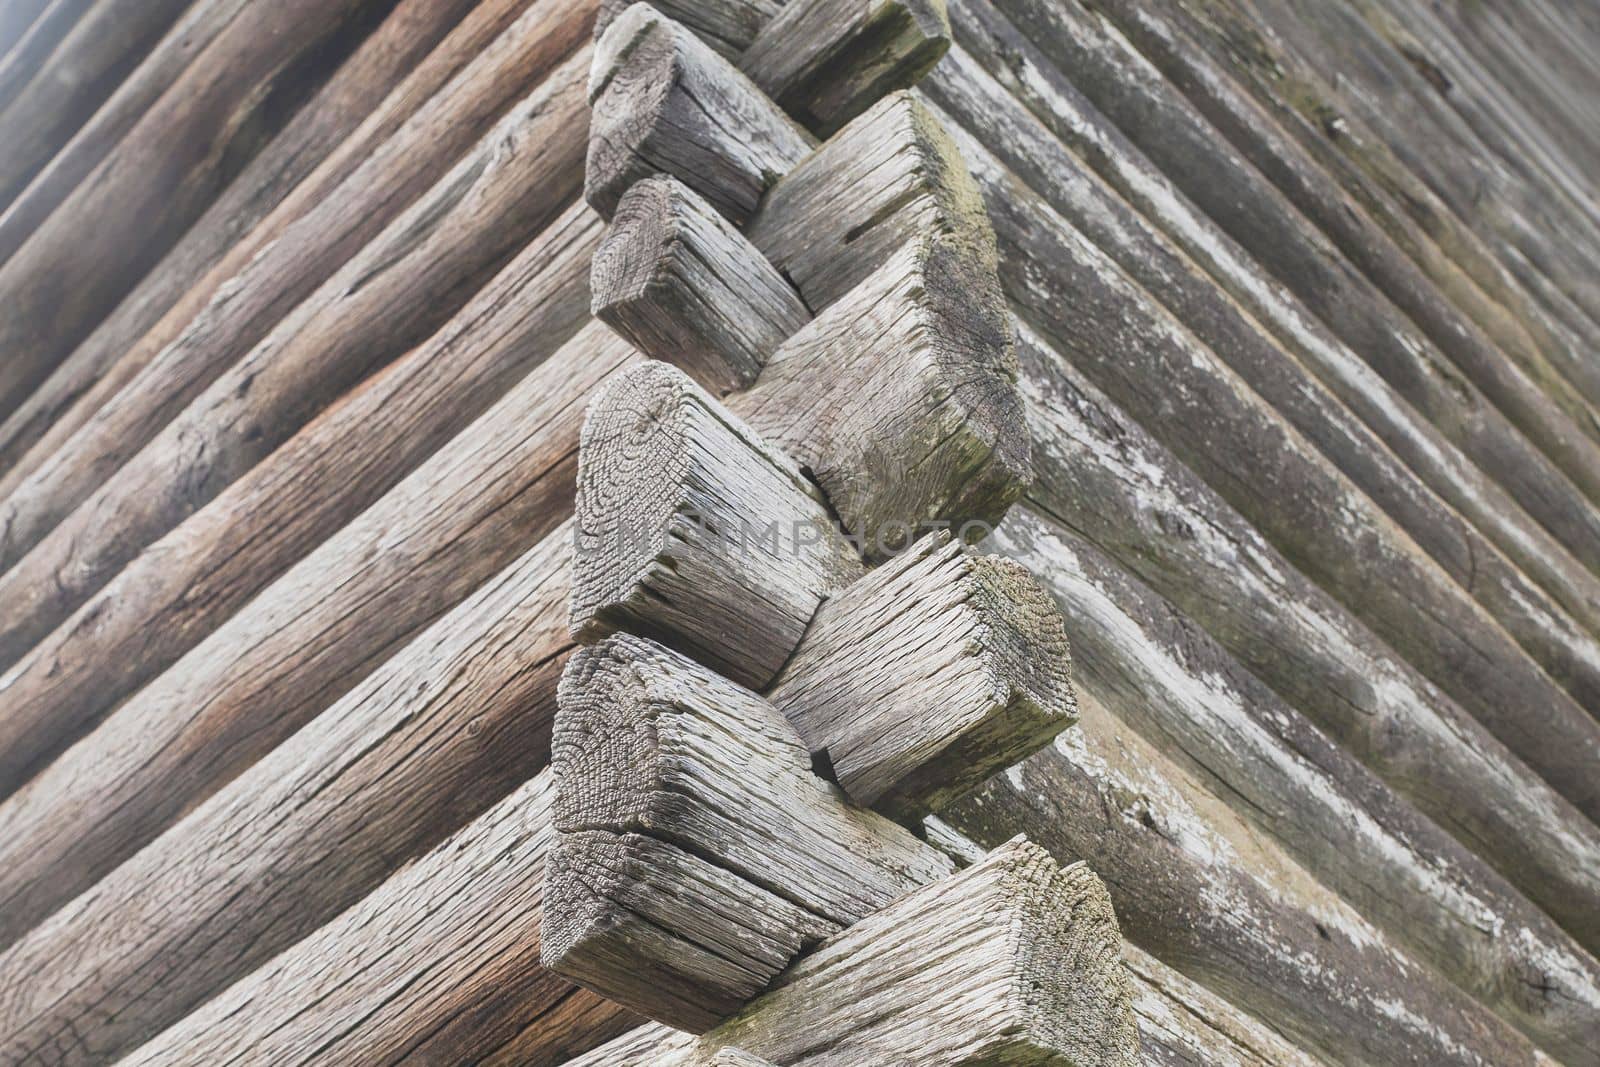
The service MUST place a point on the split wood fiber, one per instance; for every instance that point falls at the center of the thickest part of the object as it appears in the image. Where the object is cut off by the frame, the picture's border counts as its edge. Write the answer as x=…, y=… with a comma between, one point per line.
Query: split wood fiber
x=445, y=728
x=120, y=219
x=393, y=63
x=301, y=643
x=931, y=673
x=827, y=61
x=396, y=156
x=444, y=247
x=697, y=853
x=693, y=531
x=174, y=594
x=665, y=102
x=677, y=280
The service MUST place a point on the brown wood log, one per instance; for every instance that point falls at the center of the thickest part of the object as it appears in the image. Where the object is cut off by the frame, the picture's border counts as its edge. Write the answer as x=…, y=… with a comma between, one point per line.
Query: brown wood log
x=445, y=246
x=85, y=68
x=728, y=26
x=696, y=853
x=684, y=286
x=900, y=400
x=1372, y=320
x=1556, y=624
x=444, y=729
x=1163, y=676
x=665, y=103
x=928, y=675
x=304, y=641
x=401, y=52
x=172, y=596
x=695, y=532
x=1112, y=485
x=458, y=982
x=827, y=61
x=140, y=198
x=32, y=49
x=397, y=155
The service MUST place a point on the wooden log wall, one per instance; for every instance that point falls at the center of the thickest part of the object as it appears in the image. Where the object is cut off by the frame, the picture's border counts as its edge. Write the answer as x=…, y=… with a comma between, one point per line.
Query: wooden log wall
x=777, y=532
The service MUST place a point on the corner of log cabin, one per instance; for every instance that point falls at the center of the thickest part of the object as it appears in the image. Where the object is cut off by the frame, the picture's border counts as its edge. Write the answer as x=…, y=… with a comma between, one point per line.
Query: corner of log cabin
x=800, y=533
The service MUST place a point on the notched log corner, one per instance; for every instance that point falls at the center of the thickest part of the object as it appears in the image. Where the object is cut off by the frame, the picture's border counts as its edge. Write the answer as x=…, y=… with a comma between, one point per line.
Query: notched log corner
x=728, y=26
x=665, y=103
x=696, y=853
x=679, y=282
x=692, y=531
x=935, y=671
x=827, y=61
x=1015, y=960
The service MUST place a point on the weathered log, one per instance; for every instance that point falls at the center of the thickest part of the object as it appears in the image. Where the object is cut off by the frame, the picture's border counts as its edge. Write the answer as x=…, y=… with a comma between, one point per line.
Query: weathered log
x=376, y=175
x=1162, y=675
x=458, y=980
x=445, y=246
x=15, y=18
x=1198, y=891
x=1537, y=618
x=682, y=884
x=326, y=138
x=172, y=596
x=900, y=399
x=827, y=61
x=726, y=25
x=21, y=62
x=304, y=641
x=445, y=728
x=665, y=103
x=695, y=532
x=89, y=63
x=1105, y=67
x=890, y=177
x=933, y=672
x=1107, y=481
x=684, y=286
x=164, y=172
x=1013, y=960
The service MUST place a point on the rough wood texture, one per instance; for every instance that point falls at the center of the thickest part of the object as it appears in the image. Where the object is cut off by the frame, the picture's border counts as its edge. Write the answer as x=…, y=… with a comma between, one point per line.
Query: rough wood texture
x=684, y=286
x=1110, y=483
x=1014, y=960
x=307, y=639
x=726, y=25
x=174, y=594
x=457, y=980
x=889, y=177
x=329, y=127
x=827, y=61
x=699, y=854
x=390, y=296
x=900, y=400
x=447, y=726
x=107, y=42
x=376, y=175
x=693, y=531
x=665, y=103
x=933, y=672
x=1162, y=675
x=138, y=200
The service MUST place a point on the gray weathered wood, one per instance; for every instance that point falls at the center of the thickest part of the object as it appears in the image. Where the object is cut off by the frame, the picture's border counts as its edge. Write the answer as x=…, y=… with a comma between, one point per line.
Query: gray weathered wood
x=891, y=176
x=933, y=672
x=400, y=153
x=900, y=399
x=827, y=61
x=694, y=531
x=172, y=596
x=1014, y=960
x=389, y=297
x=20, y=60
x=726, y=25
x=301, y=643
x=665, y=103
x=684, y=286
x=444, y=729
x=699, y=854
